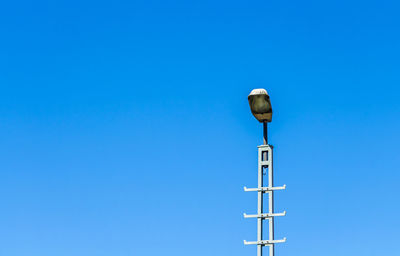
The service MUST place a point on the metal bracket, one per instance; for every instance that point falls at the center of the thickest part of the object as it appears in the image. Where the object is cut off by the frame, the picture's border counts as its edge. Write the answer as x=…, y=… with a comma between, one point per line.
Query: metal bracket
x=265, y=242
x=264, y=215
x=265, y=189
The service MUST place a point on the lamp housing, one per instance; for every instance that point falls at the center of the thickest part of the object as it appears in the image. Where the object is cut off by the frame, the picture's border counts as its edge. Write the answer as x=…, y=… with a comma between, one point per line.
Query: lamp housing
x=260, y=105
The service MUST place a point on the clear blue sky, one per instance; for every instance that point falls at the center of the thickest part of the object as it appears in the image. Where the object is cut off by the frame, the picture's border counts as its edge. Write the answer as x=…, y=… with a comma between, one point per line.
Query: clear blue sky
x=125, y=127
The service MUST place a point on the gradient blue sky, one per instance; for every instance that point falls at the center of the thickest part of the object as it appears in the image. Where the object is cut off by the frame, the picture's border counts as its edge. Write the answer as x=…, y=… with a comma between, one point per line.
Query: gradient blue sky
x=125, y=128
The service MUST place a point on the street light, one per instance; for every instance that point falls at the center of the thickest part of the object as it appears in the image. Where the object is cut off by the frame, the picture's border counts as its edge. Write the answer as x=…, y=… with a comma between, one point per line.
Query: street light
x=260, y=106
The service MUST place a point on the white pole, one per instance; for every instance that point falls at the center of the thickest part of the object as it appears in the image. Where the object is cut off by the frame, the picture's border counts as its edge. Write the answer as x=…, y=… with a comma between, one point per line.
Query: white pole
x=265, y=160
x=260, y=203
x=271, y=200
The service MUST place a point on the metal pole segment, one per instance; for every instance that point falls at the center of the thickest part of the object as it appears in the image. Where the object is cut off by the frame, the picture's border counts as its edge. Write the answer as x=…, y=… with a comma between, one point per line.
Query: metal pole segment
x=260, y=203
x=265, y=133
x=271, y=200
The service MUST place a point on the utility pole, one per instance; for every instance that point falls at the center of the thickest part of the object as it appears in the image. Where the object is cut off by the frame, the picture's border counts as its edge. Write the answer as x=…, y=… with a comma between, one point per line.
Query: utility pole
x=260, y=106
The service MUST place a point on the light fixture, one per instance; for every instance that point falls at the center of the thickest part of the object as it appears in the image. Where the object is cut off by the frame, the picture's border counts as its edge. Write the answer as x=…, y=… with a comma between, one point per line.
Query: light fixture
x=260, y=105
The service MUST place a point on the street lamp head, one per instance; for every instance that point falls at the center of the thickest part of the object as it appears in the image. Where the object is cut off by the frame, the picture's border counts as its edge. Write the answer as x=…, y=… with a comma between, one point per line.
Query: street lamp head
x=260, y=105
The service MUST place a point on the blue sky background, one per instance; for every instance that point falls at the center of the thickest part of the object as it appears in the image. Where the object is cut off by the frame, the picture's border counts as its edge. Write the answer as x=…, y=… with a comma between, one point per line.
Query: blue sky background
x=125, y=127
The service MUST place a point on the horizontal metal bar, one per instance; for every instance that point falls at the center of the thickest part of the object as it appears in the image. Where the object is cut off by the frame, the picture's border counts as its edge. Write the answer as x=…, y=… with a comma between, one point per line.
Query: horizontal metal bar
x=266, y=146
x=265, y=242
x=264, y=215
x=264, y=189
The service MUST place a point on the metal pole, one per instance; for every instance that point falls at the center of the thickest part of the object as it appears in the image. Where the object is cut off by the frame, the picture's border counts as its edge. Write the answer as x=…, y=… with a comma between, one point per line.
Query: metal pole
x=263, y=156
x=260, y=202
x=271, y=200
x=265, y=160
x=265, y=135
